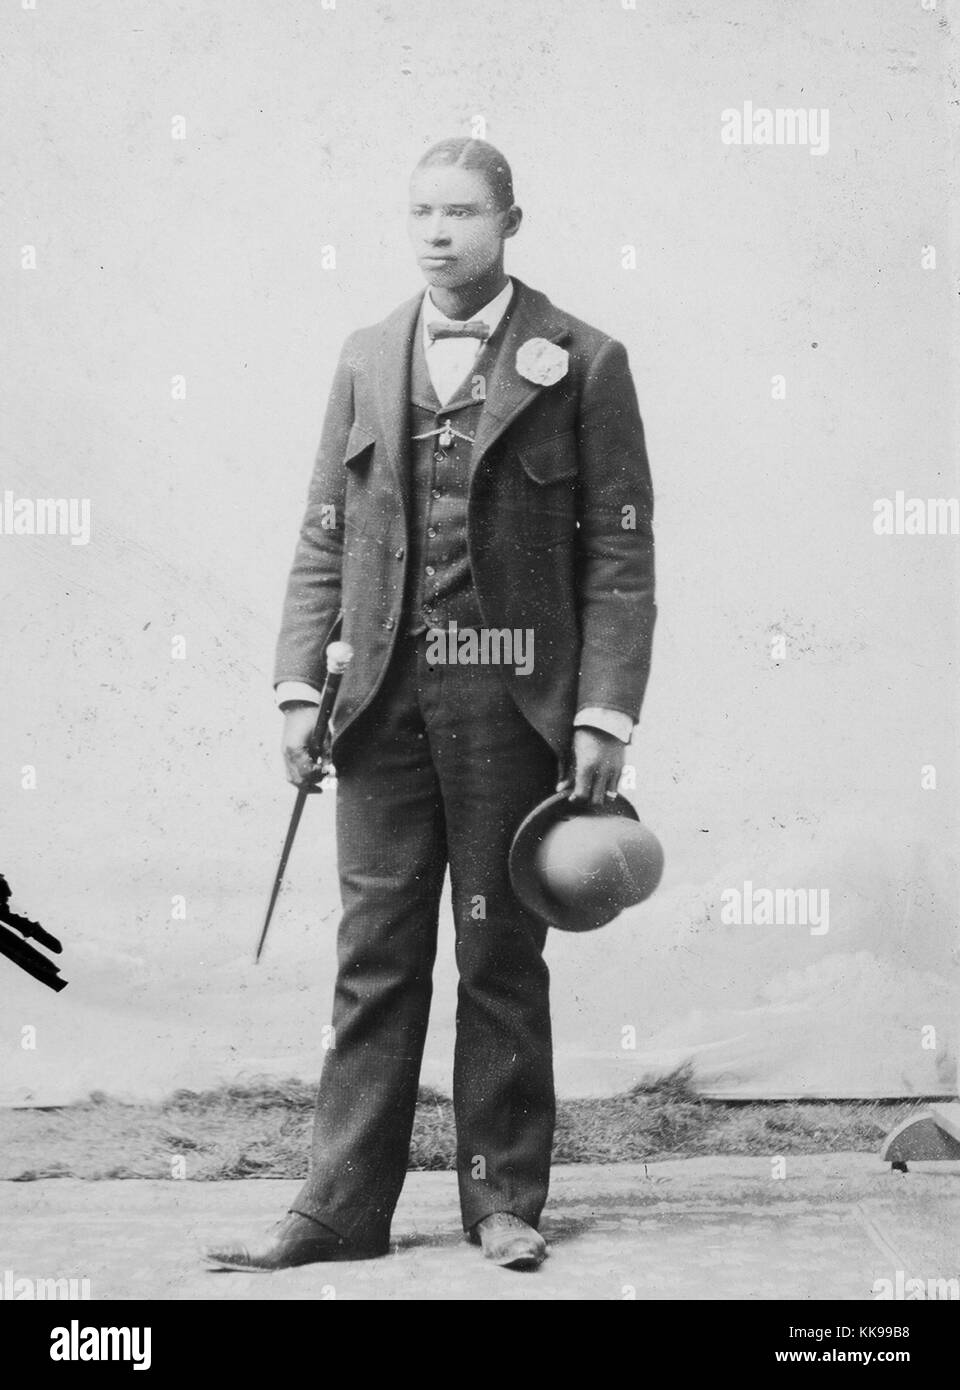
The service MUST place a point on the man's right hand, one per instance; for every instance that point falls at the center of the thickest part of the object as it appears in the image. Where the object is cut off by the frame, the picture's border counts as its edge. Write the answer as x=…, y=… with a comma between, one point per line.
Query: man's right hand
x=299, y=721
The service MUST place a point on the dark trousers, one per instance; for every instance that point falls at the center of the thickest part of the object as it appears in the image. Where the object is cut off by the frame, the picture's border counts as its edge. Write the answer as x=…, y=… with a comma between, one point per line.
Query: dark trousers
x=440, y=770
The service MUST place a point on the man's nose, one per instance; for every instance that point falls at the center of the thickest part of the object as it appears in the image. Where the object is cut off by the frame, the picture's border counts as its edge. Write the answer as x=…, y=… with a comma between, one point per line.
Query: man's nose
x=435, y=231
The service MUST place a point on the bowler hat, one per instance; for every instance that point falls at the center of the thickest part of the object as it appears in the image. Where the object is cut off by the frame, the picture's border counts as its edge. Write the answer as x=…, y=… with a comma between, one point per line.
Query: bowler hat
x=578, y=867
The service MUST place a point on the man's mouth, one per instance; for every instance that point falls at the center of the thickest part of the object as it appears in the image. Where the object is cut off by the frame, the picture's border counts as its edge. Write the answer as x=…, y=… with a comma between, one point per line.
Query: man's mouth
x=436, y=260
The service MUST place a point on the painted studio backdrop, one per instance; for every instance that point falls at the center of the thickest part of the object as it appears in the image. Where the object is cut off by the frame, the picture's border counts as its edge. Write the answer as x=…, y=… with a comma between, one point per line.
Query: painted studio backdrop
x=203, y=200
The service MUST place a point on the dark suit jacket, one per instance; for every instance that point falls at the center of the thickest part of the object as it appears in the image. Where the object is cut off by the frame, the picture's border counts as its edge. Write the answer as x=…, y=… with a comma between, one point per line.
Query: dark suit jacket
x=559, y=521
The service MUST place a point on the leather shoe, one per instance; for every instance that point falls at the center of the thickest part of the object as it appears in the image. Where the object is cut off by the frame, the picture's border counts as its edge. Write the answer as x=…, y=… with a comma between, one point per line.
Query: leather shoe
x=296, y=1240
x=510, y=1242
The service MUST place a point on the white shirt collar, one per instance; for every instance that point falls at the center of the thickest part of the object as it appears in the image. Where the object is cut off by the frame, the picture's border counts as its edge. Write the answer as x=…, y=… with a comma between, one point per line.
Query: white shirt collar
x=490, y=314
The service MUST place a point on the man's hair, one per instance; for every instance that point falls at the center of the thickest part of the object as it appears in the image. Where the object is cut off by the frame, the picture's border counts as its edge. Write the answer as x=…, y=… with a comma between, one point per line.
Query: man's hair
x=479, y=155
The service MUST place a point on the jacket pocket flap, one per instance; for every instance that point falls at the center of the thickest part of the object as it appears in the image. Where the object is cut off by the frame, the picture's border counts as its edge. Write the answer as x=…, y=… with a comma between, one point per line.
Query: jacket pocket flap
x=360, y=439
x=552, y=460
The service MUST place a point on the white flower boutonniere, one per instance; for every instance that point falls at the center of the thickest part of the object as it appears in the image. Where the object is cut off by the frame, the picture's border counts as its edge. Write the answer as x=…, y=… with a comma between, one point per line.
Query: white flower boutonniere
x=542, y=362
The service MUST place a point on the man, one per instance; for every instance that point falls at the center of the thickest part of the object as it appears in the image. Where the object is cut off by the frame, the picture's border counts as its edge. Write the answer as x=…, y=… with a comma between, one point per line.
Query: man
x=482, y=471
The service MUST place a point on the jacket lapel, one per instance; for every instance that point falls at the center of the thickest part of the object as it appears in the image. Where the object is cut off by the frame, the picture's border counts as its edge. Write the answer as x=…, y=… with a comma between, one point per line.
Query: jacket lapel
x=393, y=388
x=507, y=392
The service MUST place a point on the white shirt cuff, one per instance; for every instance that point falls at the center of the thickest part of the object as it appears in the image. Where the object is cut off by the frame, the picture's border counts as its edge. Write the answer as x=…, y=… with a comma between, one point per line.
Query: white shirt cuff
x=297, y=690
x=608, y=721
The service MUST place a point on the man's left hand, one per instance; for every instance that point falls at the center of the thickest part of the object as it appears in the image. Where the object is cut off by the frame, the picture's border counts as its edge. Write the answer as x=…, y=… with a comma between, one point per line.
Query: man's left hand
x=596, y=762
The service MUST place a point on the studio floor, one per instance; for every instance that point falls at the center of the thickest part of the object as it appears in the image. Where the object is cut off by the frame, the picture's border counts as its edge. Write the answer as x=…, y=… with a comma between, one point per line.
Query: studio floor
x=811, y=1227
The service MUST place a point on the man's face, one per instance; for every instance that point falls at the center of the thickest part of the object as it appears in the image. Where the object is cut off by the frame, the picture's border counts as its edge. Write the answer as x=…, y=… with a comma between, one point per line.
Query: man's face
x=456, y=231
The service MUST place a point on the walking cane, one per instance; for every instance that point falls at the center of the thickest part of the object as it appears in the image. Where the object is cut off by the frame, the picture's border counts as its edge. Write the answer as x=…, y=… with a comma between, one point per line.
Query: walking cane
x=339, y=655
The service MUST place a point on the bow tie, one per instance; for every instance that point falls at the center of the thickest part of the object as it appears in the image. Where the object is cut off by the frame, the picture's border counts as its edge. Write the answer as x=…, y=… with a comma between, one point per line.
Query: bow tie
x=473, y=328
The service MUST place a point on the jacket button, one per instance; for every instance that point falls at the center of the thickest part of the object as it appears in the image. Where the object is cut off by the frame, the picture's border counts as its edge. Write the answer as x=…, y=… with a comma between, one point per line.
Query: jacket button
x=389, y=624
x=398, y=554
x=430, y=570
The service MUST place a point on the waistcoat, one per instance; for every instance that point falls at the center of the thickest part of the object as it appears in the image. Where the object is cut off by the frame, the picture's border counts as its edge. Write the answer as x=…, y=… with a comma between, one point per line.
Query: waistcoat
x=440, y=587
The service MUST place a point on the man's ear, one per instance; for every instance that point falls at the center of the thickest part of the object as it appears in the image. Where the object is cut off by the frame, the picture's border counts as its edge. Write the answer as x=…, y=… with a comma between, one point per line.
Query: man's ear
x=511, y=221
